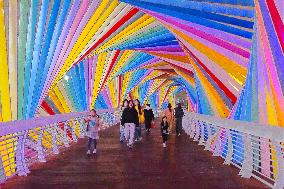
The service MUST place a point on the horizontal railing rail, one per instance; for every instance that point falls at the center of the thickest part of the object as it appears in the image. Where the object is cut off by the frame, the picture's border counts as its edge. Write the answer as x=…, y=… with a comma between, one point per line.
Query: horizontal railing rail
x=24, y=142
x=258, y=150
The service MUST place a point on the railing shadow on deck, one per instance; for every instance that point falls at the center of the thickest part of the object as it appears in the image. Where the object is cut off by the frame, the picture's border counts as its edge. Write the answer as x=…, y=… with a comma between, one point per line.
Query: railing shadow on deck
x=25, y=142
x=257, y=150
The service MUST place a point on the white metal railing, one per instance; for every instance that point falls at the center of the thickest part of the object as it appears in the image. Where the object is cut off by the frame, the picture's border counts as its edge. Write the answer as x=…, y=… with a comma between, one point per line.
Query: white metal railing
x=258, y=150
x=25, y=142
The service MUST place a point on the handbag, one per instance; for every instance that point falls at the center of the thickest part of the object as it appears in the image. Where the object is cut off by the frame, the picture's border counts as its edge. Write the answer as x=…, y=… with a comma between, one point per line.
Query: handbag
x=153, y=124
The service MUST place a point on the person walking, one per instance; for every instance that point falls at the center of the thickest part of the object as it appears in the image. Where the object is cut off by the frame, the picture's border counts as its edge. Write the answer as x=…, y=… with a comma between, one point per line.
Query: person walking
x=93, y=125
x=121, y=127
x=178, y=115
x=170, y=116
x=130, y=120
x=148, y=117
x=164, y=130
x=138, y=136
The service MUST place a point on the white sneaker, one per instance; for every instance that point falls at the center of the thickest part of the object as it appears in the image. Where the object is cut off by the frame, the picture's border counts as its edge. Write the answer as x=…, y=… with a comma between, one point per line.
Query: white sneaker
x=136, y=140
x=164, y=145
x=95, y=151
x=140, y=138
x=88, y=152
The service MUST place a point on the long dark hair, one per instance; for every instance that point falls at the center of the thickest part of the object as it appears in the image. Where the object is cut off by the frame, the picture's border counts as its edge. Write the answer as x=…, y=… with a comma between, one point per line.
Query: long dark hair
x=163, y=124
x=139, y=107
x=129, y=103
x=170, y=107
x=125, y=100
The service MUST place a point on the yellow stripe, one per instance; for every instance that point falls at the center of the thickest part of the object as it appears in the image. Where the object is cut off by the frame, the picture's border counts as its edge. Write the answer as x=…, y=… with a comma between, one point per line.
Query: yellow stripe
x=213, y=97
x=129, y=30
x=235, y=70
x=98, y=76
x=61, y=99
x=90, y=30
x=65, y=96
x=4, y=79
x=56, y=101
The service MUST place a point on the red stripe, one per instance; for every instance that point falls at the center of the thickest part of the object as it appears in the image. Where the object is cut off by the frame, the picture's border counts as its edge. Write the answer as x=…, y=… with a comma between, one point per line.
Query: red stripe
x=110, y=68
x=124, y=19
x=219, y=83
x=49, y=110
x=278, y=24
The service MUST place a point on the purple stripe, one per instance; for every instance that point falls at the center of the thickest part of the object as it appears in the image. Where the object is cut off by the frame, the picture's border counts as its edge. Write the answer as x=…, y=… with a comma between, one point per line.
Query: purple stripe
x=217, y=33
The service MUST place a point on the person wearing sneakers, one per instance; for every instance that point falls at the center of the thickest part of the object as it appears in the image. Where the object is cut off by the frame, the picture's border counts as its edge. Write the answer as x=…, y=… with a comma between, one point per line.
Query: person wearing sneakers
x=130, y=120
x=93, y=125
x=164, y=130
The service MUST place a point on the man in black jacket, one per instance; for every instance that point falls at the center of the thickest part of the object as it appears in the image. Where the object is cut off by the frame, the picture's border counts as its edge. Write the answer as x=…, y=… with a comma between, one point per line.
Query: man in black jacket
x=178, y=115
x=129, y=120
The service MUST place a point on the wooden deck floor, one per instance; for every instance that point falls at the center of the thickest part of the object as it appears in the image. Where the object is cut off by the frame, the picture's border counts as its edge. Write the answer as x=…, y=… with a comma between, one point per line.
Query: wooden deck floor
x=183, y=165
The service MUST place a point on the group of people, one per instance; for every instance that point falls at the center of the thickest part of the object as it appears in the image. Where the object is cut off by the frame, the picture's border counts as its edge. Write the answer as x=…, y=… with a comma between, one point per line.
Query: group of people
x=133, y=116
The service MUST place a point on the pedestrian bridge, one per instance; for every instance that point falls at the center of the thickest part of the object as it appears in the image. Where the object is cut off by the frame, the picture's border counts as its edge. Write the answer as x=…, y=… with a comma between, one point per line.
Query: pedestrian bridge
x=212, y=152
x=222, y=59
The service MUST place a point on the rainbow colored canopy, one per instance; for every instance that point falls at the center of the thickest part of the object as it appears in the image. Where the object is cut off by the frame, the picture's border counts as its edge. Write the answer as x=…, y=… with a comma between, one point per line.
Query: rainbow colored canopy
x=72, y=55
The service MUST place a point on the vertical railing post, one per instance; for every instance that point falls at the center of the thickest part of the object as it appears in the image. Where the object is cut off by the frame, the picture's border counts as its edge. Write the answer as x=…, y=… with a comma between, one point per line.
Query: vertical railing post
x=40, y=150
x=197, y=131
x=230, y=148
x=74, y=137
x=192, y=128
x=54, y=139
x=201, y=141
x=22, y=168
x=66, y=140
x=247, y=166
x=208, y=142
x=279, y=181
x=218, y=143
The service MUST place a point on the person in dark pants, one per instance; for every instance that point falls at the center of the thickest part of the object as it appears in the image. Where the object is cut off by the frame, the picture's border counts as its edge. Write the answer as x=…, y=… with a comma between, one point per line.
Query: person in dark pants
x=178, y=115
x=93, y=125
x=148, y=117
x=164, y=131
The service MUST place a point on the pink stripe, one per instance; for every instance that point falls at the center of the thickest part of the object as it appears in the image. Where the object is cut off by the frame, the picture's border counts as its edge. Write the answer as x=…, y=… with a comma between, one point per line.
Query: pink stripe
x=261, y=83
x=209, y=37
x=86, y=75
x=269, y=59
x=186, y=30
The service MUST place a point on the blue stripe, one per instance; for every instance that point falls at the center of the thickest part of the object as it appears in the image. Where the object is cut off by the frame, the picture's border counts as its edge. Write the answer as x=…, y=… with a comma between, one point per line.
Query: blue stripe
x=194, y=19
x=29, y=51
x=36, y=53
